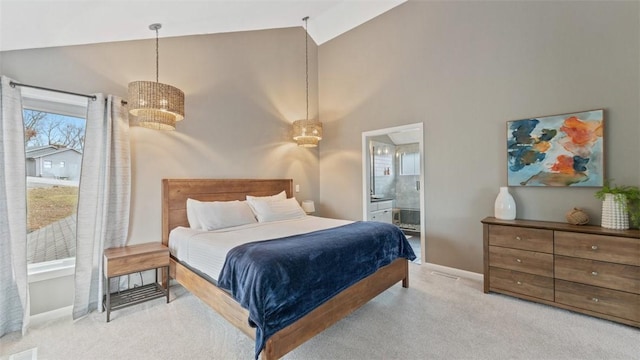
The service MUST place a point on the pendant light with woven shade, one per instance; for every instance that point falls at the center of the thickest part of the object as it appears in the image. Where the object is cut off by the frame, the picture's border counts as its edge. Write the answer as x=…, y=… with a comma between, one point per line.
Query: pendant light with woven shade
x=307, y=133
x=156, y=105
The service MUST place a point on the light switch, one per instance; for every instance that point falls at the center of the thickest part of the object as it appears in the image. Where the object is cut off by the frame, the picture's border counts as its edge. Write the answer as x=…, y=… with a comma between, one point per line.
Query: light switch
x=297, y=187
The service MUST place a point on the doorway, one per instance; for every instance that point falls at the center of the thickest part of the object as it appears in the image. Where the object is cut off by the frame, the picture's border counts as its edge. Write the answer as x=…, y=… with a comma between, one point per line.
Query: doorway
x=393, y=181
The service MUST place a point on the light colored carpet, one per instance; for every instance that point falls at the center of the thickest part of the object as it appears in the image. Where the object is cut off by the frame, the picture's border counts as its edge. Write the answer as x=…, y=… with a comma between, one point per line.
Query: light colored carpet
x=436, y=318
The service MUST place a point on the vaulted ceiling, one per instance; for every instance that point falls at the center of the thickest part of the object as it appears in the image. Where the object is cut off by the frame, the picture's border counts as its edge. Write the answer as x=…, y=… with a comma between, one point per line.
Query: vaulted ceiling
x=27, y=24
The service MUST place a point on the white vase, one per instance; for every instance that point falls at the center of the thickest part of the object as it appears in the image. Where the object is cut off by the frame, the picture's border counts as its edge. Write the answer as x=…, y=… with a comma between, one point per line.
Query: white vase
x=505, y=206
x=614, y=212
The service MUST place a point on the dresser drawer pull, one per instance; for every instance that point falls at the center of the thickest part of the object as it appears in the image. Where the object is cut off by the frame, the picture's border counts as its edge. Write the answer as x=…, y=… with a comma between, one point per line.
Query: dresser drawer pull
x=595, y=299
x=518, y=238
x=518, y=260
x=594, y=273
x=594, y=247
x=519, y=282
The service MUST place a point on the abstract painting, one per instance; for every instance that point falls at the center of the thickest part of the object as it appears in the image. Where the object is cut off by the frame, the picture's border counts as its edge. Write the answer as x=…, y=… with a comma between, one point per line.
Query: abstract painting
x=557, y=150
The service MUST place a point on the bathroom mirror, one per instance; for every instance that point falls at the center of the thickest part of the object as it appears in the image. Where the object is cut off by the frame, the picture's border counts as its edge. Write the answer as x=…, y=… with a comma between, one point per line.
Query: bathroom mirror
x=382, y=168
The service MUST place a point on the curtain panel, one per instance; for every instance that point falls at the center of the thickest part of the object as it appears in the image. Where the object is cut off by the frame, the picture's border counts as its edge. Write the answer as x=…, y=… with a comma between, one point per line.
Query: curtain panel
x=103, y=198
x=14, y=294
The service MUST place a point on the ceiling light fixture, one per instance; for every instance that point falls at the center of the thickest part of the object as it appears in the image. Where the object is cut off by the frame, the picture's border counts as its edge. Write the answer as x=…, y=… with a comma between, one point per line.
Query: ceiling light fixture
x=156, y=105
x=307, y=133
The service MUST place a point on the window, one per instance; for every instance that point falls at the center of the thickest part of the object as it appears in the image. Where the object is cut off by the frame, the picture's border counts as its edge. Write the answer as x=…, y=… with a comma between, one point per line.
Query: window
x=410, y=164
x=54, y=142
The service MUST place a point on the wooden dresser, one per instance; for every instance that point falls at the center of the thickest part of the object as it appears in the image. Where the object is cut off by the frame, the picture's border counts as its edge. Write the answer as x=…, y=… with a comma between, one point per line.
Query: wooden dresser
x=588, y=269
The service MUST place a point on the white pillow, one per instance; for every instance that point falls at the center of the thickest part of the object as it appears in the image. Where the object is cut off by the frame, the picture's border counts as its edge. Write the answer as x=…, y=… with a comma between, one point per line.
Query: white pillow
x=273, y=210
x=281, y=196
x=192, y=216
x=223, y=214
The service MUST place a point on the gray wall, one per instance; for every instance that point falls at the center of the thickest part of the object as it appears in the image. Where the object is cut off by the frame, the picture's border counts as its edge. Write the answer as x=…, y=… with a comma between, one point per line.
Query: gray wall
x=464, y=69
x=243, y=90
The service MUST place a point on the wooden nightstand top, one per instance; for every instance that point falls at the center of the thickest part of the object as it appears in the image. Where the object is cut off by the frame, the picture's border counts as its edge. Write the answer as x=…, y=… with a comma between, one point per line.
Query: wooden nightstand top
x=134, y=250
x=134, y=258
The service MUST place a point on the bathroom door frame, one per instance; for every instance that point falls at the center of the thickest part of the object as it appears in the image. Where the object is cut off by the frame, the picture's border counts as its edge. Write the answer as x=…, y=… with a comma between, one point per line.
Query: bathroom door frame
x=366, y=168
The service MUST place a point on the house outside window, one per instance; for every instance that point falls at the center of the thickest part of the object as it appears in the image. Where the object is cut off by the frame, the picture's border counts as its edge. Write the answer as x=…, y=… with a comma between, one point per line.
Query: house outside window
x=47, y=164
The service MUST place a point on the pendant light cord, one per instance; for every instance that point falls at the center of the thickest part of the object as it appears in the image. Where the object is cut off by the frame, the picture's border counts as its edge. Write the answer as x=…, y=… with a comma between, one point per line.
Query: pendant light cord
x=157, y=27
x=157, y=57
x=306, y=60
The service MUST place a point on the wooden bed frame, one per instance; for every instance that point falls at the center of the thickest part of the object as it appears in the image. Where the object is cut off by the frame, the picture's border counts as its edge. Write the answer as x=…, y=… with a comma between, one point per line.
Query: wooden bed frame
x=174, y=197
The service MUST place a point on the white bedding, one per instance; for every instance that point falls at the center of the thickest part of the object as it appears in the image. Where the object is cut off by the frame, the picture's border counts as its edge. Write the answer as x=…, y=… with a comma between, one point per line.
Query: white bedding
x=207, y=250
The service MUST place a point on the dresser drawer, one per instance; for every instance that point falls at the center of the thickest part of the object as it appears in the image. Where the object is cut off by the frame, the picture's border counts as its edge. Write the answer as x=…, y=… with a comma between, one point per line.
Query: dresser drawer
x=521, y=238
x=521, y=260
x=598, y=247
x=522, y=283
x=134, y=258
x=605, y=301
x=598, y=273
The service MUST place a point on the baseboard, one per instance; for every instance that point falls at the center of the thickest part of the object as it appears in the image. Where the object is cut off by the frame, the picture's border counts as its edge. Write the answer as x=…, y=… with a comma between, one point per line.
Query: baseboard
x=453, y=271
x=42, y=318
x=31, y=354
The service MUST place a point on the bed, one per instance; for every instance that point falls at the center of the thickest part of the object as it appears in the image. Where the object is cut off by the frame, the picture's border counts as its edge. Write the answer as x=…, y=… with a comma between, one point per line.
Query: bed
x=175, y=193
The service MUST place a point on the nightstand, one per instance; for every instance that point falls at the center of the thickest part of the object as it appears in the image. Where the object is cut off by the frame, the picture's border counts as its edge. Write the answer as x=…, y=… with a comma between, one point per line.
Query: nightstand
x=131, y=259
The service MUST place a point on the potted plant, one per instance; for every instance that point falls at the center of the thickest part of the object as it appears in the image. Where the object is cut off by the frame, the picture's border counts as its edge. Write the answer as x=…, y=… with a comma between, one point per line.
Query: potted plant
x=619, y=202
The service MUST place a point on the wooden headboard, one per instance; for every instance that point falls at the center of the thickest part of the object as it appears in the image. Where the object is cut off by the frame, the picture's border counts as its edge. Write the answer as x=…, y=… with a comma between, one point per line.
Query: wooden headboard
x=175, y=193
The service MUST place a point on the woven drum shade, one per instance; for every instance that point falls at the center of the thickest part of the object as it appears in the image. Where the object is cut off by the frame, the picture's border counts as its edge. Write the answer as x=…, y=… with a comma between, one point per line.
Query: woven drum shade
x=307, y=133
x=156, y=105
x=155, y=119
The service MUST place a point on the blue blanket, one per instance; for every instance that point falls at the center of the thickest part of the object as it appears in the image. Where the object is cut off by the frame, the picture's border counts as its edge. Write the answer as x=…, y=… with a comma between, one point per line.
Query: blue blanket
x=281, y=280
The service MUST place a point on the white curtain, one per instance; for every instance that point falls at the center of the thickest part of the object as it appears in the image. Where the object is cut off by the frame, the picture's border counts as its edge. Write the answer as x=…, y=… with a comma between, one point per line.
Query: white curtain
x=103, y=198
x=14, y=294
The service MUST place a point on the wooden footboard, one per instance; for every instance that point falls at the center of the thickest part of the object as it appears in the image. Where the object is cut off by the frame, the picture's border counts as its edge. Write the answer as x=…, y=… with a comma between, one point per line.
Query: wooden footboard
x=308, y=326
x=335, y=309
x=175, y=192
x=218, y=299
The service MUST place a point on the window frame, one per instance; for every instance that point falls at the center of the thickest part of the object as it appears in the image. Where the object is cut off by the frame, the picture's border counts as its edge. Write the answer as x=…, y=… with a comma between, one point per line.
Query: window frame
x=415, y=160
x=62, y=104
